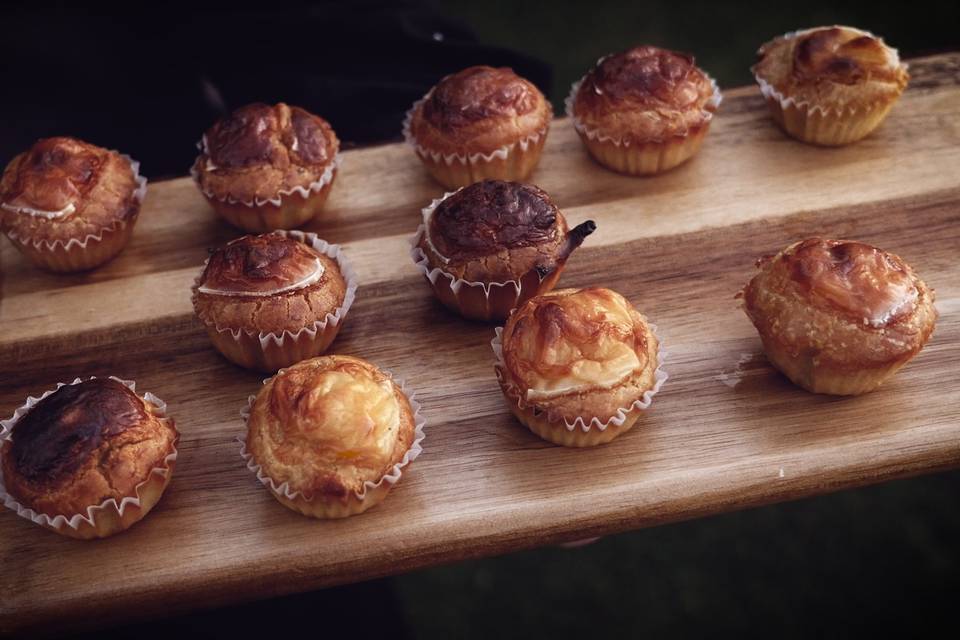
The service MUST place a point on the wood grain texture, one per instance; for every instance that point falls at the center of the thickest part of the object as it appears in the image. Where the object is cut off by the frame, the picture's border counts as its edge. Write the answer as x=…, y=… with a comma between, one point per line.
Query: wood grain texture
x=727, y=432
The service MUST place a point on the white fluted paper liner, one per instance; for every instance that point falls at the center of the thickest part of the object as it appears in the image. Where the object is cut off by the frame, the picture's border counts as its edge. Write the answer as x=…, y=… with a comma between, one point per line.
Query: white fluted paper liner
x=433, y=274
x=598, y=135
x=333, y=251
x=771, y=92
x=619, y=416
x=304, y=192
x=138, y=194
x=391, y=477
x=74, y=521
x=500, y=153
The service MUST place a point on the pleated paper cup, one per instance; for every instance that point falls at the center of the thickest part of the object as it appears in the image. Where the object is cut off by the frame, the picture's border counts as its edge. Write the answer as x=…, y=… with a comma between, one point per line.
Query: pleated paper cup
x=369, y=495
x=579, y=431
x=271, y=351
x=93, y=250
x=110, y=516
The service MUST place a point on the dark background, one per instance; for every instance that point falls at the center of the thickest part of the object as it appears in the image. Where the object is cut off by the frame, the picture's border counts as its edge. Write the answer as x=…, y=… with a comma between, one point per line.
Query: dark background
x=149, y=80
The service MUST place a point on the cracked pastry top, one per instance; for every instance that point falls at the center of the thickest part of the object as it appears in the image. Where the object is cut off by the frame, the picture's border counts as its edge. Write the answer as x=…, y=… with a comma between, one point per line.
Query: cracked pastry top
x=64, y=188
x=847, y=304
x=497, y=231
x=578, y=352
x=326, y=426
x=260, y=151
x=83, y=444
x=644, y=94
x=479, y=110
x=832, y=66
x=269, y=283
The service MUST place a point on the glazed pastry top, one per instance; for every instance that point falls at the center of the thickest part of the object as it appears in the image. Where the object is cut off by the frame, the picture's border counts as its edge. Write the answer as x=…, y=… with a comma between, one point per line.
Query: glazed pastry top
x=261, y=265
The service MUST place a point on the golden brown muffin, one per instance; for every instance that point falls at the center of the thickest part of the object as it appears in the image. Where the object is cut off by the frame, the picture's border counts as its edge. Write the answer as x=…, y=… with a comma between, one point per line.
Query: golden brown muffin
x=577, y=366
x=68, y=205
x=267, y=167
x=271, y=300
x=89, y=459
x=837, y=316
x=830, y=85
x=479, y=123
x=330, y=436
x=492, y=245
x=644, y=110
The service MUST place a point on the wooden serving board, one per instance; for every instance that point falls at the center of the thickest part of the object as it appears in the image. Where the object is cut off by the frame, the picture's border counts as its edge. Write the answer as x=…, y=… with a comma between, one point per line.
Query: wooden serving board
x=726, y=432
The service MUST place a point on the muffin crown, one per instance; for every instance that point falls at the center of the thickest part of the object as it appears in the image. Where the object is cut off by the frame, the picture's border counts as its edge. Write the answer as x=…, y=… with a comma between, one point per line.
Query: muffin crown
x=260, y=265
x=478, y=93
x=54, y=176
x=843, y=55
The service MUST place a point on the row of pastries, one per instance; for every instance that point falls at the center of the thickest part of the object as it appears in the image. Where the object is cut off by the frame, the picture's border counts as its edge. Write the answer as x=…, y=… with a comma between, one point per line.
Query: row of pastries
x=330, y=434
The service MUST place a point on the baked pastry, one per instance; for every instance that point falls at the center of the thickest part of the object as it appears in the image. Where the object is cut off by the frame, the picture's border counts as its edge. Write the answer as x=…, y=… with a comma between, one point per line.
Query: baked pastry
x=271, y=300
x=644, y=110
x=267, y=167
x=577, y=366
x=330, y=436
x=88, y=459
x=830, y=85
x=68, y=205
x=479, y=123
x=837, y=316
x=489, y=246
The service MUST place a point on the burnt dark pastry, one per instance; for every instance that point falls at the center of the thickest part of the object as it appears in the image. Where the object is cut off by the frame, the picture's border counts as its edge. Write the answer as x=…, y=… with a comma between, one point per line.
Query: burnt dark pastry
x=830, y=85
x=330, y=436
x=479, y=123
x=68, y=205
x=89, y=459
x=644, y=110
x=271, y=300
x=839, y=317
x=267, y=167
x=489, y=246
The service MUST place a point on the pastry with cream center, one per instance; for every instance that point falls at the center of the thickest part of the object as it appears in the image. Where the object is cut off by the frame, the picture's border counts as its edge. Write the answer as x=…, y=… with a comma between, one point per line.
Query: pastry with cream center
x=839, y=317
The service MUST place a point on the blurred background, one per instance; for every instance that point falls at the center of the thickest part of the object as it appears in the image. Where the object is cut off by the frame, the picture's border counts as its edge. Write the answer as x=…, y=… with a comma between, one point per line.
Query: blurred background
x=149, y=80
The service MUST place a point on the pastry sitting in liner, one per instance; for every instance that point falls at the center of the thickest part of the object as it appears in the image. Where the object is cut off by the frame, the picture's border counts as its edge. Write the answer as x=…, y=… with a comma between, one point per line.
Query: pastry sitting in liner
x=271, y=300
x=68, y=205
x=267, y=167
x=644, y=110
x=331, y=436
x=88, y=459
x=578, y=366
x=479, y=123
x=830, y=85
x=837, y=316
x=489, y=246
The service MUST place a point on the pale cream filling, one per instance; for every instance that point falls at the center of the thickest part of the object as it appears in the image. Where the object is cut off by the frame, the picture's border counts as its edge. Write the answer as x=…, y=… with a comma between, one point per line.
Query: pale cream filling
x=41, y=213
x=300, y=284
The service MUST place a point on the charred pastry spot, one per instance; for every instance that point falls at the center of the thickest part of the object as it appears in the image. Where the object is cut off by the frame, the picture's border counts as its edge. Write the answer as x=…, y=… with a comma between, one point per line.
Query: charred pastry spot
x=262, y=263
x=543, y=270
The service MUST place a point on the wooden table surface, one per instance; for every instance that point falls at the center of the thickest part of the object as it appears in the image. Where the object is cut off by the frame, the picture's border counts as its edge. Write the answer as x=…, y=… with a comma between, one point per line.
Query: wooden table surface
x=726, y=432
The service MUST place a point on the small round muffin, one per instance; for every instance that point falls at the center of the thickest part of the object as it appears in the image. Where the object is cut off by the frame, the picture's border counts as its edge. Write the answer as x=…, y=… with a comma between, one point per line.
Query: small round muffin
x=577, y=366
x=271, y=300
x=330, y=436
x=492, y=245
x=831, y=85
x=838, y=317
x=89, y=459
x=68, y=205
x=643, y=111
x=265, y=168
x=479, y=123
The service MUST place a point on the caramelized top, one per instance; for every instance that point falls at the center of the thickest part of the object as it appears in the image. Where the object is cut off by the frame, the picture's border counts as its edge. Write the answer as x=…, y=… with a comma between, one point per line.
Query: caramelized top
x=260, y=265
x=861, y=281
x=572, y=340
x=478, y=93
x=842, y=55
x=63, y=430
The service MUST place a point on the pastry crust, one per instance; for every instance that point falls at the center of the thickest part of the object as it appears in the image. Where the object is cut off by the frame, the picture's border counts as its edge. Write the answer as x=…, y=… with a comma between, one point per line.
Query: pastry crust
x=84, y=444
x=839, y=316
x=832, y=68
x=645, y=94
x=328, y=426
x=574, y=355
